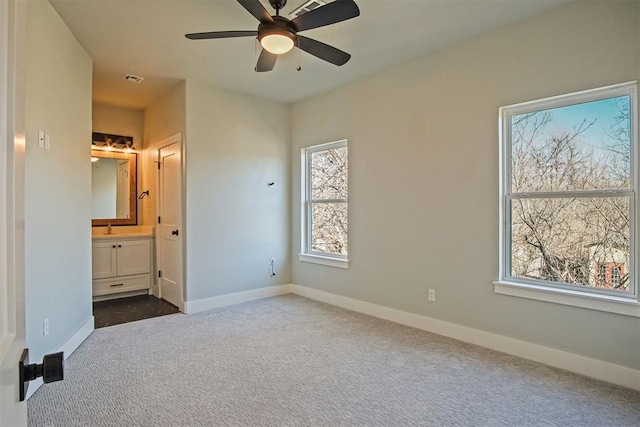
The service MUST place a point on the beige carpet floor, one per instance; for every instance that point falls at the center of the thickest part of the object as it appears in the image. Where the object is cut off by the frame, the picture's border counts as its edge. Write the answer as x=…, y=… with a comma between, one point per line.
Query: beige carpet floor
x=289, y=361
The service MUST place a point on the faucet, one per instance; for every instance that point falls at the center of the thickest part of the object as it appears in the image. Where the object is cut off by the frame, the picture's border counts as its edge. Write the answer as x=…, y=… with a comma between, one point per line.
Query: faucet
x=109, y=228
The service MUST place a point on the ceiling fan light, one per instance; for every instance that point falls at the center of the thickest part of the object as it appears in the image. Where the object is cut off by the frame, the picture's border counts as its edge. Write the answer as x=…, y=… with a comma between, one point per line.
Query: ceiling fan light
x=277, y=43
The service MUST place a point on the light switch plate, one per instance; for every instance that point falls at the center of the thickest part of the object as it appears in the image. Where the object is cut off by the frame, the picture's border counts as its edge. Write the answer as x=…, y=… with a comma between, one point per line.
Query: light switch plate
x=47, y=141
x=41, y=139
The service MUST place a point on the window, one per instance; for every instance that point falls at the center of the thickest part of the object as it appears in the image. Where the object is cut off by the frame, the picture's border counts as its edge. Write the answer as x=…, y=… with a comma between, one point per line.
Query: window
x=569, y=188
x=325, y=198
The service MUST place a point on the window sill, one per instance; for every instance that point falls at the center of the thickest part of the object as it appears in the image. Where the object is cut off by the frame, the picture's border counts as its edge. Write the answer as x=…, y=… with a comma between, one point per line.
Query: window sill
x=324, y=260
x=611, y=304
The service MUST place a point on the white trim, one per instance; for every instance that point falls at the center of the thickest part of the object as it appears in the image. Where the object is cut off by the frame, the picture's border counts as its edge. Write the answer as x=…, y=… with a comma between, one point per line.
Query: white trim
x=13, y=35
x=324, y=260
x=579, y=97
x=68, y=347
x=5, y=344
x=7, y=305
x=326, y=146
x=128, y=294
x=568, y=194
x=153, y=290
x=196, y=306
x=593, y=301
x=605, y=371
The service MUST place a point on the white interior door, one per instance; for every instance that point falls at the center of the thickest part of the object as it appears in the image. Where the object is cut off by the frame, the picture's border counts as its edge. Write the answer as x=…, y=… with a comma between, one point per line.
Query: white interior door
x=169, y=236
x=12, y=146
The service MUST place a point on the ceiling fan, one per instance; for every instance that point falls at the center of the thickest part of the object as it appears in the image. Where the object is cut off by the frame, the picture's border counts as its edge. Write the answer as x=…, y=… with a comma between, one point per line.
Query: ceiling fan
x=278, y=35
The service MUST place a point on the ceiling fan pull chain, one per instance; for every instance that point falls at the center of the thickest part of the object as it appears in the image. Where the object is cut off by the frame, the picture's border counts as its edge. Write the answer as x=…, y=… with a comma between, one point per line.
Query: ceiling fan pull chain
x=299, y=67
x=255, y=54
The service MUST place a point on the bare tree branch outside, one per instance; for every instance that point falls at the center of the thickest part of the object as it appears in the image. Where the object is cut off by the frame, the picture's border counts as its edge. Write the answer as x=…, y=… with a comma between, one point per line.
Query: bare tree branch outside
x=568, y=224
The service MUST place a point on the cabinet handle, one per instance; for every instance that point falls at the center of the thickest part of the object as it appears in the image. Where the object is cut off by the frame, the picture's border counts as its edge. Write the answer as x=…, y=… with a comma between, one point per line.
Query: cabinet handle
x=119, y=284
x=114, y=246
x=174, y=233
x=119, y=246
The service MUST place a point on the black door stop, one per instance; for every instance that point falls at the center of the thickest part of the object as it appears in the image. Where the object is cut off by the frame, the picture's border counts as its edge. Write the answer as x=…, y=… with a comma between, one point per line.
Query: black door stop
x=51, y=369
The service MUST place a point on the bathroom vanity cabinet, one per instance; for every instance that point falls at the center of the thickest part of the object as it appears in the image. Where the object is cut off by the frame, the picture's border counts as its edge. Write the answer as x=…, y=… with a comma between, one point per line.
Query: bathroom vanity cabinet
x=121, y=263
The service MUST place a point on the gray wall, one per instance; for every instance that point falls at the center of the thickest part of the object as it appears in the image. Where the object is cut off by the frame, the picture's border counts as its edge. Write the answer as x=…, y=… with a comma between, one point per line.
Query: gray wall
x=58, y=181
x=423, y=177
x=164, y=118
x=235, y=222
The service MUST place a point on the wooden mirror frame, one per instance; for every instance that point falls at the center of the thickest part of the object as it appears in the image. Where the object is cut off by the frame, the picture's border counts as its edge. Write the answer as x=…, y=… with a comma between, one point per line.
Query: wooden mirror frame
x=133, y=199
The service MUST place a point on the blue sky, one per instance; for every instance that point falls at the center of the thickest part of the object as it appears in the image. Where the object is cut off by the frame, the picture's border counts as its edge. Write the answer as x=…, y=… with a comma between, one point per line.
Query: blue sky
x=604, y=111
x=598, y=136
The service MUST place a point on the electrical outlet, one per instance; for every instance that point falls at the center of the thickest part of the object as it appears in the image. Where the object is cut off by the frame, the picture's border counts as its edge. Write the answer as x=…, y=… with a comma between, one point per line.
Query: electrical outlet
x=432, y=295
x=47, y=141
x=45, y=327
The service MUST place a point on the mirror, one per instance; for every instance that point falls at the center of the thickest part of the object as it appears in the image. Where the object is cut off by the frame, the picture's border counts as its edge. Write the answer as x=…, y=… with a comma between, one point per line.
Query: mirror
x=113, y=188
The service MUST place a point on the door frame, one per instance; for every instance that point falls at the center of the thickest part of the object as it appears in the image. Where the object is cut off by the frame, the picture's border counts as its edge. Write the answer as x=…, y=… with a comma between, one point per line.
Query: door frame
x=155, y=149
x=12, y=180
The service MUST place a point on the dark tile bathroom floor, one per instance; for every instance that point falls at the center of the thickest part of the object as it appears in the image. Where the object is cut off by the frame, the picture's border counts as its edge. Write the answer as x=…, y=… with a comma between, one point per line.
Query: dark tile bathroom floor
x=124, y=310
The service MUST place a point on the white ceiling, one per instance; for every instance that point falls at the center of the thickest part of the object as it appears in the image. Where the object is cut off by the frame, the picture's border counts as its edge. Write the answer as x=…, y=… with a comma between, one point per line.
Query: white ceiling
x=146, y=38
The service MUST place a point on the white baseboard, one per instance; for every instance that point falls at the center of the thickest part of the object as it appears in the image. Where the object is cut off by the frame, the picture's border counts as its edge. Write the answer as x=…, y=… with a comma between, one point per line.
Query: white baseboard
x=605, y=371
x=68, y=347
x=196, y=306
x=120, y=295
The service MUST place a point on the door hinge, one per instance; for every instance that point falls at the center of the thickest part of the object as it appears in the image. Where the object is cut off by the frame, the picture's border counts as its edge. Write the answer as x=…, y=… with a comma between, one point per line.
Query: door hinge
x=159, y=273
x=158, y=165
x=158, y=220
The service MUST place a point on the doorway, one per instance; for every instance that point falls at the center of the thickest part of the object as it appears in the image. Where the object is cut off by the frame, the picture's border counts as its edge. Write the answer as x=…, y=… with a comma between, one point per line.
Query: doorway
x=166, y=294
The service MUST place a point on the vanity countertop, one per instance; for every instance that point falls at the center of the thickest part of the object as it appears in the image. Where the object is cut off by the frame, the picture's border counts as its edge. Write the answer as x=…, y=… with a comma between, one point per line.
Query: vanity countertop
x=120, y=236
x=136, y=232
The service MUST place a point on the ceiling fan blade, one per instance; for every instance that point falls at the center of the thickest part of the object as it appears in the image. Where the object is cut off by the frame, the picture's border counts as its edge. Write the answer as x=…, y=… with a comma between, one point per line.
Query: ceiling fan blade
x=339, y=10
x=257, y=9
x=266, y=61
x=220, y=35
x=323, y=51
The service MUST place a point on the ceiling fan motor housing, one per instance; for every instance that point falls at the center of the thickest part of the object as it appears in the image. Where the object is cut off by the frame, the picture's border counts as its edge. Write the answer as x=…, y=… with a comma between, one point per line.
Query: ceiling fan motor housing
x=280, y=25
x=277, y=4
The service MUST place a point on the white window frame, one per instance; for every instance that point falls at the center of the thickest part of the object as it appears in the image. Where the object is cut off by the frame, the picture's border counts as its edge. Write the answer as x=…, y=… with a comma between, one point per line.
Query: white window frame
x=306, y=254
x=596, y=299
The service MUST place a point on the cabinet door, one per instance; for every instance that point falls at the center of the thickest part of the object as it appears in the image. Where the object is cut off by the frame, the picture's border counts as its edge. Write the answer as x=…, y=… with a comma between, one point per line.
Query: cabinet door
x=134, y=257
x=104, y=259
